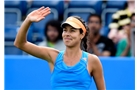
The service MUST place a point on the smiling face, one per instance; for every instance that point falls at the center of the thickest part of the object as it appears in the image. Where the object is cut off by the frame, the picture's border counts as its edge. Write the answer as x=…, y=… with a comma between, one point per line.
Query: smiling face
x=71, y=36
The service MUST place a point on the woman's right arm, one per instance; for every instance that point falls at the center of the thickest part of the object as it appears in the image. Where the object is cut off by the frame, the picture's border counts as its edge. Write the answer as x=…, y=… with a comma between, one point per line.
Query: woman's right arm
x=21, y=42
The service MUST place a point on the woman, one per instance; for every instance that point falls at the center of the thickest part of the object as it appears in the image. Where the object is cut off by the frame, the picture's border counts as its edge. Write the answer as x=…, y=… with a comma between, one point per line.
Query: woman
x=71, y=69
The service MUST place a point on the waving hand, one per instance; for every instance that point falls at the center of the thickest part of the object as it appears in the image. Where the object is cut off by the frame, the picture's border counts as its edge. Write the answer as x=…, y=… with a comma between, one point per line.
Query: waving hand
x=39, y=14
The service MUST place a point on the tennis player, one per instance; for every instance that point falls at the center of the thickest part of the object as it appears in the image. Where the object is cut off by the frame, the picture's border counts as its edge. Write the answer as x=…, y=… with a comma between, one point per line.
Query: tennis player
x=73, y=68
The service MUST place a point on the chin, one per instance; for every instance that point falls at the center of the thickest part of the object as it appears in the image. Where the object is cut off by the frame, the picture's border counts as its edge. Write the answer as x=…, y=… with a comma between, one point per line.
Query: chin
x=68, y=44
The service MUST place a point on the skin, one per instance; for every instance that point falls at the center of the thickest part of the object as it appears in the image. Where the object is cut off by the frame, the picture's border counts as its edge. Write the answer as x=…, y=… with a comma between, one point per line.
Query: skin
x=94, y=27
x=72, y=54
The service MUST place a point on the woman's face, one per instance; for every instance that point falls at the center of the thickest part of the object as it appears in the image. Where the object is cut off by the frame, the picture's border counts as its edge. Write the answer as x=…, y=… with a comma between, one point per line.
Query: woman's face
x=71, y=36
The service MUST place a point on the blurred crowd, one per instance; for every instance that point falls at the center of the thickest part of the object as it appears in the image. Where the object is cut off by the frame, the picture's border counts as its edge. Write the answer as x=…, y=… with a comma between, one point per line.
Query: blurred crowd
x=120, y=40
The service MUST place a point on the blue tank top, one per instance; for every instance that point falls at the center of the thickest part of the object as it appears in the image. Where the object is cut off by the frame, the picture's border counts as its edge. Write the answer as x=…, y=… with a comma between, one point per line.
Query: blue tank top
x=71, y=77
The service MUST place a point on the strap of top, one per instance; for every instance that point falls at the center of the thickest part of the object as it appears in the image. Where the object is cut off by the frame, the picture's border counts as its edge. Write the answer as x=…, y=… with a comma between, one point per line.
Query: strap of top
x=85, y=57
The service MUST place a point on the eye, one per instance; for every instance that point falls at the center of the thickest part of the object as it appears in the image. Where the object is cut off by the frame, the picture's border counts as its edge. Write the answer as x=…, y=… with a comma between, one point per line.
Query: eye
x=72, y=30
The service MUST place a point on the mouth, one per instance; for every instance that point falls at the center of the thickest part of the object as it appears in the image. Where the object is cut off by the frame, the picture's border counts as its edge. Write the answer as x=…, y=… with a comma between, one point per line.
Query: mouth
x=67, y=39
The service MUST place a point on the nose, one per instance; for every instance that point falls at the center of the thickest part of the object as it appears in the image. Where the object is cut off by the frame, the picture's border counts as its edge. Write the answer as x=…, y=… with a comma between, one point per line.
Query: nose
x=67, y=33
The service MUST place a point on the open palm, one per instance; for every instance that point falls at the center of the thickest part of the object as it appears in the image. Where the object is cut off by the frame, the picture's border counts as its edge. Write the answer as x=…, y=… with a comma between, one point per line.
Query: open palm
x=39, y=14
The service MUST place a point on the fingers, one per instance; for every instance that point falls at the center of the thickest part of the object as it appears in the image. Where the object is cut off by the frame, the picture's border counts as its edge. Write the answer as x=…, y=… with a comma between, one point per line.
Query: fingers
x=45, y=14
x=42, y=12
x=45, y=11
x=41, y=8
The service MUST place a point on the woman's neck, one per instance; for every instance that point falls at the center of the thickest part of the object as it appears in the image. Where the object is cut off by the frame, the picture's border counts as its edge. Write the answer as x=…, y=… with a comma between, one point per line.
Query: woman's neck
x=73, y=52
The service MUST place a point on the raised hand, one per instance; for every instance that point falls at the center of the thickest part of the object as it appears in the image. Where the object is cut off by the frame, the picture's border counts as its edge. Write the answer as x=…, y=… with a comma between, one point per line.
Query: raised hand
x=39, y=14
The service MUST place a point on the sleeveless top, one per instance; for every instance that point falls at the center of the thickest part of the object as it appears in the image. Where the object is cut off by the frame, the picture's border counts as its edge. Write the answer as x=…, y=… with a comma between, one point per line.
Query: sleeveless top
x=74, y=77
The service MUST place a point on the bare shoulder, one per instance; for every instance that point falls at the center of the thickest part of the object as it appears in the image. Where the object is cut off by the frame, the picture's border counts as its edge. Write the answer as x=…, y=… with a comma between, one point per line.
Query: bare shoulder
x=93, y=58
x=96, y=71
x=93, y=61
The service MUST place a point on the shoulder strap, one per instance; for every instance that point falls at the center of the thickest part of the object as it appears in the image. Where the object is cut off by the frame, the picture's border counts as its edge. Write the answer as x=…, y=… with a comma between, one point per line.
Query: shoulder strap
x=85, y=57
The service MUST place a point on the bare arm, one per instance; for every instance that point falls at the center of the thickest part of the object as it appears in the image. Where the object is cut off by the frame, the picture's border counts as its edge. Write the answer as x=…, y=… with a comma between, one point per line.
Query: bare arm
x=97, y=72
x=22, y=43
